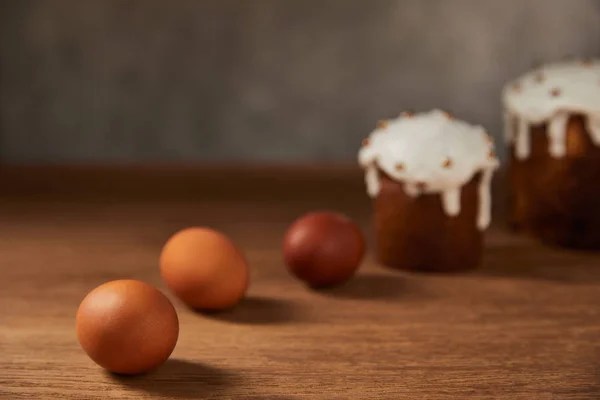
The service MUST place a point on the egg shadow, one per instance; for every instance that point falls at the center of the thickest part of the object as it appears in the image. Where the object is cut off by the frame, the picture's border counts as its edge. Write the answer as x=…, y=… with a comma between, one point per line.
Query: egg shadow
x=370, y=287
x=259, y=311
x=540, y=262
x=181, y=379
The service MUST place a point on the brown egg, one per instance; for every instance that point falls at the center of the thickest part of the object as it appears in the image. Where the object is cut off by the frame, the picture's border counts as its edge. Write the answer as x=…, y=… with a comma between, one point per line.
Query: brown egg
x=204, y=269
x=323, y=248
x=127, y=327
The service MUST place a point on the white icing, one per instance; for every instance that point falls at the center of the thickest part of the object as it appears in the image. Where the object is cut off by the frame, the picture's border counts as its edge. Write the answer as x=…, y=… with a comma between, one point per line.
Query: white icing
x=430, y=153
x=550, y=95
x=411, y=189
x=484, y=216
x=372, y=180
x=451, y=201
x=593, y=127
x=523, y=141
x=557, y=129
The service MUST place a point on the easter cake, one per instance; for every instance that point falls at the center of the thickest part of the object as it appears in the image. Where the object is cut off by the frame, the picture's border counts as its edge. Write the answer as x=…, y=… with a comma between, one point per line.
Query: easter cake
x=552, y=128
x=429, y=175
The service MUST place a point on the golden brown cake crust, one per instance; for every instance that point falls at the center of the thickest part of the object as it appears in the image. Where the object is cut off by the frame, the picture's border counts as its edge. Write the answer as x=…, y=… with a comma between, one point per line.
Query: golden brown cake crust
x=414, y=233
x=556, y=199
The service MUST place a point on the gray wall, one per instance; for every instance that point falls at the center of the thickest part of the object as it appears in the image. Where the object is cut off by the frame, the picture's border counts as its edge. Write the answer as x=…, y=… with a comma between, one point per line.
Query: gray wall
x=133, y=80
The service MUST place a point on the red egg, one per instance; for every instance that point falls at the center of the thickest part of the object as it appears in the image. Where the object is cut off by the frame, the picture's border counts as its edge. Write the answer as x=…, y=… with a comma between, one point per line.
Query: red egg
x=127, y=326
x=323, y=248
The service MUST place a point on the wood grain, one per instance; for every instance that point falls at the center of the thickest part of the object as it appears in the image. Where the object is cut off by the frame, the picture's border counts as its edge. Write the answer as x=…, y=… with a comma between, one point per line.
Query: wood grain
x=524, y=326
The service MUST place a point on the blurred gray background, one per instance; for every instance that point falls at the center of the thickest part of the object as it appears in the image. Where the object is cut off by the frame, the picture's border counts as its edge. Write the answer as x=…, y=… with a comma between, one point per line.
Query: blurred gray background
x=259, y=80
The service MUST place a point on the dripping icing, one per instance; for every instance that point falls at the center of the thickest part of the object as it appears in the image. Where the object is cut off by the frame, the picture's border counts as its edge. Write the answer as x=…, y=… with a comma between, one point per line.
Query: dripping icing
x=522, y=142
x=451, y=201
x=451, y=198
x=593, y=127
x=411, y=189
x=568, y=88
x=372, y=180
x=484, y=214
x=557, y=130
x=438, y=155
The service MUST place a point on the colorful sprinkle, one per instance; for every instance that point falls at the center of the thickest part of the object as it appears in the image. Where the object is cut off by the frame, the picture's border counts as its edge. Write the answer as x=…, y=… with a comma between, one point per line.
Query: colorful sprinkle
x=447, y=163
x=366, y=142
x=407, y=114
x=555, y=92
x=400, y=167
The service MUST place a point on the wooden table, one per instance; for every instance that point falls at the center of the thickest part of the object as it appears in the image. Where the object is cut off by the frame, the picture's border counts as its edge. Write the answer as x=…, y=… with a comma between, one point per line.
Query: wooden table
x=526, y=326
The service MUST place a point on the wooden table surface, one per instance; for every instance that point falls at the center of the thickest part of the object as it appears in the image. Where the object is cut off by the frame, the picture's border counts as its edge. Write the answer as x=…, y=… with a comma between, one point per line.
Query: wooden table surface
x=525, y=326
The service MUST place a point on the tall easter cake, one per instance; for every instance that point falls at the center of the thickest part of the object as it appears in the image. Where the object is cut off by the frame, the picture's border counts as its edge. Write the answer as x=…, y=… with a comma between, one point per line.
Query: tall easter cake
x=429, y=175
x=552, y=127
